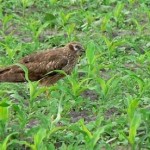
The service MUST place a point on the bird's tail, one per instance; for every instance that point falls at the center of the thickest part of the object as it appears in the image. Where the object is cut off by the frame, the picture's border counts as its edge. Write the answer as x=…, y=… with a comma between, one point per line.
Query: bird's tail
x=12, y=74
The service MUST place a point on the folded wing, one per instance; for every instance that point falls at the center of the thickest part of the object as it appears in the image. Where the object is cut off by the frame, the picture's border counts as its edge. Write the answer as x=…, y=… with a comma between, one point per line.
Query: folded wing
x=38, y=66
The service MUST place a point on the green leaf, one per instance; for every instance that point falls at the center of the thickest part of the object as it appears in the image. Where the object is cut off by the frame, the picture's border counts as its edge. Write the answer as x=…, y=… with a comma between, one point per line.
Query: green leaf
x=135, y=122
x=132, y=106
x=140, y=82
x=39, y=136
x=25, y=69
x=4, y=144
x=96, y=135
x=4, y=111
x=41, y=28
x=59, y=111
x=105, y=22
x=90, y=53
x=49, y=17
x=118, y=9
x=85, y=130
x=103, y=85
x=4, y=104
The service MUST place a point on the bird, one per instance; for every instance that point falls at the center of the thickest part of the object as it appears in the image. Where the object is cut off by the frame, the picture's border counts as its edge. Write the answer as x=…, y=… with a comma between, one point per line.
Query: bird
x=42, y=65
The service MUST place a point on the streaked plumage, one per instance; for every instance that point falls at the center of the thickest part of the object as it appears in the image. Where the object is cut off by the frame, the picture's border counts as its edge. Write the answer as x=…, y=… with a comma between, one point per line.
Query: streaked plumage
x=41, y=63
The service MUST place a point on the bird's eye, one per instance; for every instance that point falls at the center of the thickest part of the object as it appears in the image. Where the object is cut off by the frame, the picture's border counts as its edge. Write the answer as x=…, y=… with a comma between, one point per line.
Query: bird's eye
x=77, y=48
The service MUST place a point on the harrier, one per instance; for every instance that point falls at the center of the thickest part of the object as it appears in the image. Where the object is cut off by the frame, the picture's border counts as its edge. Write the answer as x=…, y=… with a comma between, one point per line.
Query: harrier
x=42, y=65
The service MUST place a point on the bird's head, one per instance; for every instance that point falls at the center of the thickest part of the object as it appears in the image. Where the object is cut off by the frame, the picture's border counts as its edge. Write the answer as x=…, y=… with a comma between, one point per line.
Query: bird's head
x=76, y=48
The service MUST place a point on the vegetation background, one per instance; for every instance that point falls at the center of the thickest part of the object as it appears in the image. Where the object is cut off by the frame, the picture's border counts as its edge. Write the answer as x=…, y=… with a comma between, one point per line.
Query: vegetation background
x=105, y=103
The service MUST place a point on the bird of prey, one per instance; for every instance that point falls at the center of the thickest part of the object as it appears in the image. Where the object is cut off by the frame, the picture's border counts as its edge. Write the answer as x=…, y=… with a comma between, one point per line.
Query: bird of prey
x=42, y=65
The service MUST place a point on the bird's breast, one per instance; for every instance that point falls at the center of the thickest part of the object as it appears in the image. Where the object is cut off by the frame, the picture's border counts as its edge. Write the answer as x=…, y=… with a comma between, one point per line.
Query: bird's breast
x=71, y=64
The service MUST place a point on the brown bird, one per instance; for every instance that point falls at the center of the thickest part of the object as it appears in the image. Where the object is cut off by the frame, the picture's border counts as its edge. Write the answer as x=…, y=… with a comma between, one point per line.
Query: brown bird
x=41, y=65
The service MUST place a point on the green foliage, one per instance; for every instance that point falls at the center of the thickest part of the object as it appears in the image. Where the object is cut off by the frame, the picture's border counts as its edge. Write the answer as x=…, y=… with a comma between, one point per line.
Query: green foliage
x=134, y=118
x=4, y=144
x=104, y=103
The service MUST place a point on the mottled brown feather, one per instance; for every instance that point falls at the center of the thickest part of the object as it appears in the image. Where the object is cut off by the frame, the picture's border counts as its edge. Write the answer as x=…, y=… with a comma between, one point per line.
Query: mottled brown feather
x=41, y=63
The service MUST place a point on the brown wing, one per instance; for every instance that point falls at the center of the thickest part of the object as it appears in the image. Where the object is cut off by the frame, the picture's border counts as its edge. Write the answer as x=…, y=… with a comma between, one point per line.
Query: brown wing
x=38, y=70
x=38, y=65
x=12, y=74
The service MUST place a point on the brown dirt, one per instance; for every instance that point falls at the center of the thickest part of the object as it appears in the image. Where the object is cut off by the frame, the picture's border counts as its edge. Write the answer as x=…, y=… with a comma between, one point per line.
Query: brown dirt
x=90, y=94
x=84, y=114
